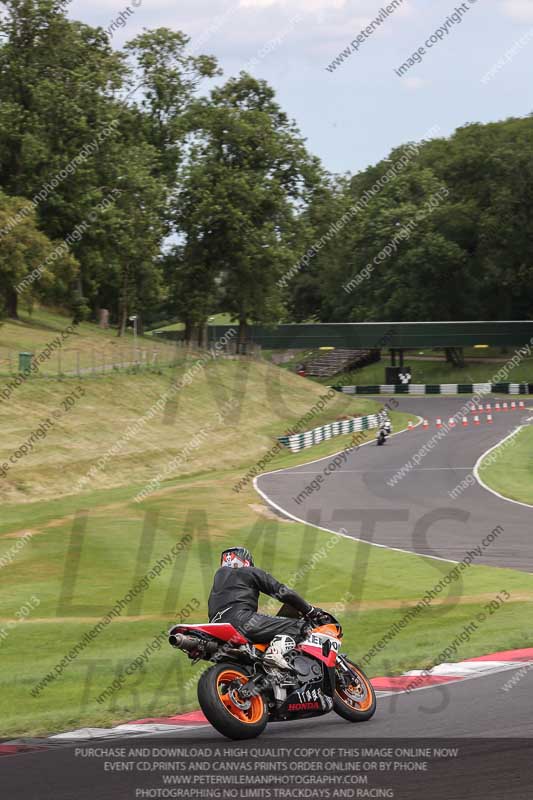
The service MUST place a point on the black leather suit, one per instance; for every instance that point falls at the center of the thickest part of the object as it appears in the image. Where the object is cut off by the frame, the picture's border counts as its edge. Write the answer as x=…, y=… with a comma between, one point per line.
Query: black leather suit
x=234, y=598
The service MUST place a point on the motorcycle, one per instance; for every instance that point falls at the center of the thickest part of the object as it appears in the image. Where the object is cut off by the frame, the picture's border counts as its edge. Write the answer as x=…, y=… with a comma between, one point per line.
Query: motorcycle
x=381, y=437
x=240, y=694
x=383, y=434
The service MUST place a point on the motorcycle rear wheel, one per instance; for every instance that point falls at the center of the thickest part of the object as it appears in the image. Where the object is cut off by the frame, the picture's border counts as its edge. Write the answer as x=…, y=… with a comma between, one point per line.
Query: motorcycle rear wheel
x=356, y=702
x=219, y=699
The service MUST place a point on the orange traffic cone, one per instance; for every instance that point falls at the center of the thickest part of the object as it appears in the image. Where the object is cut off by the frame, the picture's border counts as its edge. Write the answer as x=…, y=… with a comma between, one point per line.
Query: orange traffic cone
x=465, y=422
x=439, y=423
x=476, y=420
x=505, y=407
x=497, y=407
x=480, y=409
x=513, y=405
x=409, y=426
x=451, y=422
x=489, y=419
x=521, y=404
x=425, y=424
x=488, y=407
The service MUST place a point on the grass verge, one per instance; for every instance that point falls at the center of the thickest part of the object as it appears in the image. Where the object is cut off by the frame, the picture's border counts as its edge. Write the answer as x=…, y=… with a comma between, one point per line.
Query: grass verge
x=227, y=416
x=85, y=348
x=509, y=469
x=86, y=551
x=85, y=558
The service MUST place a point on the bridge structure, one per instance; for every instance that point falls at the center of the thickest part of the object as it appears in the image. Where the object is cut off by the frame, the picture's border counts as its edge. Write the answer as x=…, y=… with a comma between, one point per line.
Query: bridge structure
x=397, y=337
x=385, y=335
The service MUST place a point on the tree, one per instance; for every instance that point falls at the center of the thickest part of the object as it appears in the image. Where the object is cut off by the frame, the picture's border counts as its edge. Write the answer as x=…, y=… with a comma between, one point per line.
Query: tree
x=29, y=262
x=241, y=191
x=489, y=169
x=70, y=138
x=169, y=78
x=56, y=77
x=325, y=221
x=193, y=290
x=411, y=251
x=145, y=165
x=125, y=239
x=395, y=260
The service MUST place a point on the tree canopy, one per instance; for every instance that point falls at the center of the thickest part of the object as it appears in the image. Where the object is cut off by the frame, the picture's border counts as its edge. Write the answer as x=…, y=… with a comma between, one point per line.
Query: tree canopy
x=137, y=180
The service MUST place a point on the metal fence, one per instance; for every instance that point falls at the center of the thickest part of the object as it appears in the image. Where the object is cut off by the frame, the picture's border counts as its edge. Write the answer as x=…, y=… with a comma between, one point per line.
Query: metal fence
x=94, y=360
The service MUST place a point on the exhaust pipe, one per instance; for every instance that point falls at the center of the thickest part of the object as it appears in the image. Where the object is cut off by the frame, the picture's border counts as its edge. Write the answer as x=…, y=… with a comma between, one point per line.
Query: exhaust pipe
x=187, y=643
x=191, y=644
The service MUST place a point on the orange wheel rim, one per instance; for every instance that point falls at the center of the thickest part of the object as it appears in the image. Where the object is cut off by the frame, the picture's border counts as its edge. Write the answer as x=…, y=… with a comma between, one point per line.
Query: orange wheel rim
x=358, y=696
x=251, y=711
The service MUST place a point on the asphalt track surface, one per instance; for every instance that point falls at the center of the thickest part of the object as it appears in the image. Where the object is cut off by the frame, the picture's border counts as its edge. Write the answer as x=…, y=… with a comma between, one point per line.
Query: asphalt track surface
x=473, y=708
x=416, y=514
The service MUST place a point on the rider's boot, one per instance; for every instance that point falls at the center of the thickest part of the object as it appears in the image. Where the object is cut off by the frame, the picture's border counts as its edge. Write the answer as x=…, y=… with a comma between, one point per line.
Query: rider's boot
x=279, y=647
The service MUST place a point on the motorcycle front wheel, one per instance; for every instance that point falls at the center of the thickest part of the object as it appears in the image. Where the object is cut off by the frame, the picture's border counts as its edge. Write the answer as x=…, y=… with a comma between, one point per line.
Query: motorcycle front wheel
x=232, y=716
x=355, y=701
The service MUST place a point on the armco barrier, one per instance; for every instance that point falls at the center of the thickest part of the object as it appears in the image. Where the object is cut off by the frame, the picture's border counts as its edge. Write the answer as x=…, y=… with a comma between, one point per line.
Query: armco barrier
x=299, y=441
x=440, y=388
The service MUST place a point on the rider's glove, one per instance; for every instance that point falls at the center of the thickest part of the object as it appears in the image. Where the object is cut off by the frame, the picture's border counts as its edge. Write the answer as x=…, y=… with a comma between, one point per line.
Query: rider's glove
x=317, y=616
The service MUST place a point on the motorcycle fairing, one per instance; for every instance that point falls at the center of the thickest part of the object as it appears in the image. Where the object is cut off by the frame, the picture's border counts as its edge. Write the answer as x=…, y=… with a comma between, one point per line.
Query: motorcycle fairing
x=307, y=701
x=218, y=630
x=322, y=647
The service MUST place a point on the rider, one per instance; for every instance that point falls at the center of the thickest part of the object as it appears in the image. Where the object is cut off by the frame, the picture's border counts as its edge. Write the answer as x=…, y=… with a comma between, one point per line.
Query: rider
x=234, y=598
x=385, y=423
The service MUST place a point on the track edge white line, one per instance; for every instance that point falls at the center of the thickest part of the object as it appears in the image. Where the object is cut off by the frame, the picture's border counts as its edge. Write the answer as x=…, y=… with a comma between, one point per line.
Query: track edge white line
x=271, y=503
x=484, y=455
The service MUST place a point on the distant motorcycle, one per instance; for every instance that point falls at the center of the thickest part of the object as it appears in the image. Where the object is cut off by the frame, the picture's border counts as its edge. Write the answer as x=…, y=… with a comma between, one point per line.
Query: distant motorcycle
x=382, y=436
x=240, y=694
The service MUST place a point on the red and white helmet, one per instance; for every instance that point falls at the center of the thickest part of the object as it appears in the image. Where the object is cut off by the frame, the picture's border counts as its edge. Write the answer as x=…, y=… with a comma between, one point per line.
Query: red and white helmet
x=236, y=557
